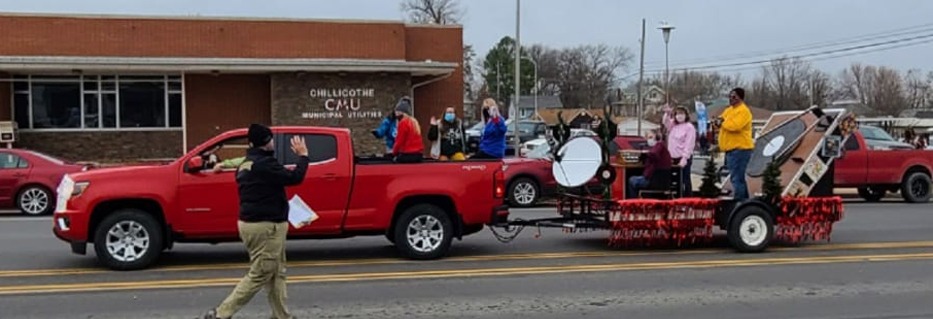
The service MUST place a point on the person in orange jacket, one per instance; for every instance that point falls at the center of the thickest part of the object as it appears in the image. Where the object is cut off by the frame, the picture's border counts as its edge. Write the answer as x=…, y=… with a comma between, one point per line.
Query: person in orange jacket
x=409, y=146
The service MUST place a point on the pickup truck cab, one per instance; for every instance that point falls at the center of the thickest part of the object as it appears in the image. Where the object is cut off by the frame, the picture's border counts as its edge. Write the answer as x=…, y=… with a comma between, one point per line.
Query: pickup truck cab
x=877, y=168
x=132, y=214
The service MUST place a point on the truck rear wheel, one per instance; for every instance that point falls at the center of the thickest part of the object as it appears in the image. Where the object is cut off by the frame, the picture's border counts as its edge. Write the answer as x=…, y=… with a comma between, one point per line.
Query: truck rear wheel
x=871, y=194
x=751, y=229
x=524, y=192
x=128, y=239
x=423, y=231
x=916, y=188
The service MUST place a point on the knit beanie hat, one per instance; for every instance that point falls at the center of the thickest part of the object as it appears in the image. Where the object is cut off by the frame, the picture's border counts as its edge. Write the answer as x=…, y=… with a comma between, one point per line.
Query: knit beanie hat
x=404, y=105
x=259, y=135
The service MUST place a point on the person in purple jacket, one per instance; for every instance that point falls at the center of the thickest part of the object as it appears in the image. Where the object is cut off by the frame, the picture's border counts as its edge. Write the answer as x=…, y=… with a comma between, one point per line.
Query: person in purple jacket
x=681, y=141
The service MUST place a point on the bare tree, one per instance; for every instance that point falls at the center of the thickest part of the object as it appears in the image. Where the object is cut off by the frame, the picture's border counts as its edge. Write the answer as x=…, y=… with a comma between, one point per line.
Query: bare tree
x=587, y=73
x=888, y=92
x=917, y=89
x=820, y=88
x=856, y=83
x=433, y=11
x=788, y=78
x=548, y=61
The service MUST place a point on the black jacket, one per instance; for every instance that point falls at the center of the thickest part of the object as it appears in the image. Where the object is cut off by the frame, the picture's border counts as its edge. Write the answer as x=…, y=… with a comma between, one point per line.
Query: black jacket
x=262, y=180
x=452, y=135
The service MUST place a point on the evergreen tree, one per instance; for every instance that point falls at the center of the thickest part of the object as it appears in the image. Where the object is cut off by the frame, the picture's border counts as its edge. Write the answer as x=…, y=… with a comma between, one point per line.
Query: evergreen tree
x=708, y=188
x=771, y=183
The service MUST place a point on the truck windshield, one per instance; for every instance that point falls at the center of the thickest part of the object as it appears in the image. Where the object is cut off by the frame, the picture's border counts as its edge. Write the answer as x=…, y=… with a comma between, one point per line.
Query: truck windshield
x=874, y=133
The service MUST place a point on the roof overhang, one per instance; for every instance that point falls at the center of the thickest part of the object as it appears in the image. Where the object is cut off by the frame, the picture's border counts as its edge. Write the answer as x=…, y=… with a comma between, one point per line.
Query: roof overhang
x=85, y=64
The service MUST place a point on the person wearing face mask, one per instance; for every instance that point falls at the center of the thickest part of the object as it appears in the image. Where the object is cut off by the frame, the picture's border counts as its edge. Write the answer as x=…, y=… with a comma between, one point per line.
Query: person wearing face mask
x=681, y=141
x=409, y=147
x=449, y=133
x=492, y=142
x=657, y=166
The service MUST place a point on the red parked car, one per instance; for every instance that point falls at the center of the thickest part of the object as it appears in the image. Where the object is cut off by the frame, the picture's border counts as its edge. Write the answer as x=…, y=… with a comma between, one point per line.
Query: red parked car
x=529, y=177
x=28, y=180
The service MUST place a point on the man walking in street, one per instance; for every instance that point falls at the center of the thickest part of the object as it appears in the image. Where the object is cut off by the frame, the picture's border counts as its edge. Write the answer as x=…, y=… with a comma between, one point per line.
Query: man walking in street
x=735, y=139
x=263, y=221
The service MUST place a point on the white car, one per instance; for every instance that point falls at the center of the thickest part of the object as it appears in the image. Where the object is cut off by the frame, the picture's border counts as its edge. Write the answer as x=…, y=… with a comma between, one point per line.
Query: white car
x=533, y=145
x=539, y=143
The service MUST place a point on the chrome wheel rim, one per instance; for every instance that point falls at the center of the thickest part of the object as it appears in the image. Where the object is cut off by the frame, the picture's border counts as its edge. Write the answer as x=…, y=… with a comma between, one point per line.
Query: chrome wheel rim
x=34, y=201
x=127, y=241
x=524, y=194
x=425, y=233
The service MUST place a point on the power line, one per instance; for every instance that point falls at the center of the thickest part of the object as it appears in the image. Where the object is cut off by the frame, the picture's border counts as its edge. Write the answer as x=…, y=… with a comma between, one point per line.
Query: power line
x=758, y=63
x=817, y=45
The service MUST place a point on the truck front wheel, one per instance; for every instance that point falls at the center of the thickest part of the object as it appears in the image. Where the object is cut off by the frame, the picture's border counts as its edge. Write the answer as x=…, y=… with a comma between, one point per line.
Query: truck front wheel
x=916, y=188
x=128, y=239
x=423, y=231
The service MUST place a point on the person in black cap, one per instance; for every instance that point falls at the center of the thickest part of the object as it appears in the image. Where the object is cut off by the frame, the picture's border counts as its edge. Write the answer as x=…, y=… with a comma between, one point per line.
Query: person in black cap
x=263, y=220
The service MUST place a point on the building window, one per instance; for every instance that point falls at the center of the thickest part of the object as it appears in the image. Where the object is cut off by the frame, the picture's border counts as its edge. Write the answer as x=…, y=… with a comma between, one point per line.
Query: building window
x=526, y=113
x=94, y=102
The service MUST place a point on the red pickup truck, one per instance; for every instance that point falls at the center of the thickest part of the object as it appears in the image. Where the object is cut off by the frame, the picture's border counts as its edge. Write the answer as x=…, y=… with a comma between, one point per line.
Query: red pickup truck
x=875, y=168
x=132, y=214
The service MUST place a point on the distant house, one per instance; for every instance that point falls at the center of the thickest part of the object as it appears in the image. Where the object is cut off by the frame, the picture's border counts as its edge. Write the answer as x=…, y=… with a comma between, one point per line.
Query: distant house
x=526, y=104
x=653, y=95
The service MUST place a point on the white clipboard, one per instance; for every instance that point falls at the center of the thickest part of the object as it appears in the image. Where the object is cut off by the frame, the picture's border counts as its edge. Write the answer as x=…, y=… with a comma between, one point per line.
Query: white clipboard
x=299, y=214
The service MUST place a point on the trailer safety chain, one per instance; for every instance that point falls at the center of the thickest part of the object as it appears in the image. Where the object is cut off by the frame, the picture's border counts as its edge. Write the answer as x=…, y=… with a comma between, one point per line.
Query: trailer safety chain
x=511, y=235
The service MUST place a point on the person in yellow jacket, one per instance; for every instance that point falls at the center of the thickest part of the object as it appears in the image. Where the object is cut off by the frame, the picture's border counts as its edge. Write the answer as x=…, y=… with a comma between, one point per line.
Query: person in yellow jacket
x=735, y=139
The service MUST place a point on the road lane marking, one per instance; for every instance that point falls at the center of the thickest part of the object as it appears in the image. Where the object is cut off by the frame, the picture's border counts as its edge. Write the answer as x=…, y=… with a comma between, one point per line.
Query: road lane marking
x=458, y=273
x=502, y=257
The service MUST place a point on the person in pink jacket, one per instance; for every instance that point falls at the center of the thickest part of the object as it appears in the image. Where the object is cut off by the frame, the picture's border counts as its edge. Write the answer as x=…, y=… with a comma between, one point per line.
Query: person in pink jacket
x=681, y=140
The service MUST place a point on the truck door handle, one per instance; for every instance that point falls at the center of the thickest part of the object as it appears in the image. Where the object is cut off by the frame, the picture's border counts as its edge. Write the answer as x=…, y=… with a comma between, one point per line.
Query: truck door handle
x=330, y=177
x=19, y=175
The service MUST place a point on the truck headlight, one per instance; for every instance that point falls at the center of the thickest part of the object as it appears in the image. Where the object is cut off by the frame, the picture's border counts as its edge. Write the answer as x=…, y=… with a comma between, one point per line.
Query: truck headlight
x=79, y=188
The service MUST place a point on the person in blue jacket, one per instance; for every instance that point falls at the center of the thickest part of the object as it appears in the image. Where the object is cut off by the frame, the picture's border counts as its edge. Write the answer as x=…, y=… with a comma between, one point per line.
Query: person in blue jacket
x=492, y=142
x=387, y=130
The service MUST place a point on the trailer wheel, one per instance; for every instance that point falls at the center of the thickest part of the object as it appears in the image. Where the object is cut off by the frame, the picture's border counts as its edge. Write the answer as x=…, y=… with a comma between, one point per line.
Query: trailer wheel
x=423, y=232
x=916, y=188
x=871, y=194
x=751, y=229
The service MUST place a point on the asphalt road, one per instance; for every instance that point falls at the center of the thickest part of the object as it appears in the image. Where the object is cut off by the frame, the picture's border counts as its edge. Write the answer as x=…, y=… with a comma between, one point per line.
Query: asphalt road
x=877, y=266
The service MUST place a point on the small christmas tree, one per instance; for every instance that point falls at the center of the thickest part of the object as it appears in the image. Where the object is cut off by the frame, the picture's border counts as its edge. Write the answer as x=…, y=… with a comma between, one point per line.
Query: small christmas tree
x=771, y=183
x=708, y=188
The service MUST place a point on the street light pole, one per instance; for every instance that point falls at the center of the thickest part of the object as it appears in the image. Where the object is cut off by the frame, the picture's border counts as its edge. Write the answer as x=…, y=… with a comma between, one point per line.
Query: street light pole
x=641, y=77
x=533, y=62
x=666, y=29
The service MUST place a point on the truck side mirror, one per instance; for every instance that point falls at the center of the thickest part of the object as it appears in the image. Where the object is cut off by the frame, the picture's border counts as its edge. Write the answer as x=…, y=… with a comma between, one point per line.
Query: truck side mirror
x=194, y=164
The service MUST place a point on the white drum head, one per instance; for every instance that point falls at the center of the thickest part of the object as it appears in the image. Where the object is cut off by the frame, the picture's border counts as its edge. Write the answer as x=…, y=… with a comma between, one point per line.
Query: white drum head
x=581, y=157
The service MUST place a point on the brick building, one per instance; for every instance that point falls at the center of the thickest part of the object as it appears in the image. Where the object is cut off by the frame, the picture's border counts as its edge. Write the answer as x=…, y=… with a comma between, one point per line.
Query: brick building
x=112, y=88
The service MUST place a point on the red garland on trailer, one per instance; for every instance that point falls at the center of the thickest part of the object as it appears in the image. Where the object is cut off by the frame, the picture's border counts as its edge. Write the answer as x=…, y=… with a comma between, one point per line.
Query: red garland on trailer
x=790, y=173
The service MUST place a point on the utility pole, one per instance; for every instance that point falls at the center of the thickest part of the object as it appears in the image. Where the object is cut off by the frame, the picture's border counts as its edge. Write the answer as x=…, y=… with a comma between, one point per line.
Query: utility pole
x=518, y=60
x=641, y=78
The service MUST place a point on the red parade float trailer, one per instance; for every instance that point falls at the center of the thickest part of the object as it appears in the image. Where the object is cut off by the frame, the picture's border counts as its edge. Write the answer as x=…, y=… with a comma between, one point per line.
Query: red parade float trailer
x=789, y=178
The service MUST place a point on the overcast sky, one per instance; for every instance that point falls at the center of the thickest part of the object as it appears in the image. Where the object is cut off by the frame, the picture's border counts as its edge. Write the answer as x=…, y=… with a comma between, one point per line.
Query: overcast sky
x=707, y=31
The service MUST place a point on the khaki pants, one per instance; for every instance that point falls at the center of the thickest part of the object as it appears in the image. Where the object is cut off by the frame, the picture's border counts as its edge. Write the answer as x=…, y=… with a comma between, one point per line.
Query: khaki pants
x=265, y=242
